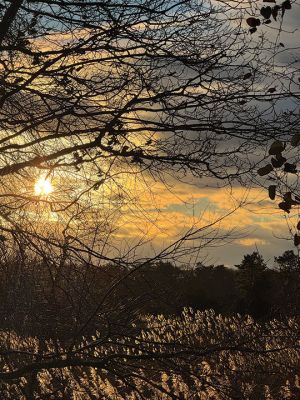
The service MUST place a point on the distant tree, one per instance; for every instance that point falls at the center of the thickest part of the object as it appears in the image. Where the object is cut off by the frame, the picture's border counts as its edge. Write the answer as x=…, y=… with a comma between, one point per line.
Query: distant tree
x=252, y=284
x=211, y=287
x=289, y=267
x=252, y=263
x=288, y=262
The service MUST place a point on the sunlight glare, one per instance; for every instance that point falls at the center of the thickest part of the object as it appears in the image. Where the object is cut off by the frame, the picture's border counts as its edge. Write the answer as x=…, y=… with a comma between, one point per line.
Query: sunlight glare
x=43, y=186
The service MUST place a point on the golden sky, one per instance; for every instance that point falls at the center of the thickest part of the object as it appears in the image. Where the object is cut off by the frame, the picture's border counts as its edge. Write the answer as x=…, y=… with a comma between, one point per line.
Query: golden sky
x=163, y=213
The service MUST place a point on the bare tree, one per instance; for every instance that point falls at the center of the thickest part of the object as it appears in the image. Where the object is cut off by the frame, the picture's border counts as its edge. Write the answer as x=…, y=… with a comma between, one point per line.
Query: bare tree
x=93, y=91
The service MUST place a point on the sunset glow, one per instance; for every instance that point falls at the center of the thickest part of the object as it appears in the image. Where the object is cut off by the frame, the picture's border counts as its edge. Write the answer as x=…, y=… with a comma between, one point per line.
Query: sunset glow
x=43, y=186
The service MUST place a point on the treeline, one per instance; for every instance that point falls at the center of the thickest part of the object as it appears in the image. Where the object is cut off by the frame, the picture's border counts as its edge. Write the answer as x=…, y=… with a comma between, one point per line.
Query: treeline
x=49, y=299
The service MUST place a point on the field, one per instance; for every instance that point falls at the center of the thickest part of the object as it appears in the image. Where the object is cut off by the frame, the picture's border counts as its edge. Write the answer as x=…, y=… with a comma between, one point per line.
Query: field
x=196, y=355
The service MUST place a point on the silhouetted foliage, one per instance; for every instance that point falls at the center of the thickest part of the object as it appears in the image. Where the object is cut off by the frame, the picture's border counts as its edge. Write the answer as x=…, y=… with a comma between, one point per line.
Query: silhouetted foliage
x=288, y=262
x=33, y=301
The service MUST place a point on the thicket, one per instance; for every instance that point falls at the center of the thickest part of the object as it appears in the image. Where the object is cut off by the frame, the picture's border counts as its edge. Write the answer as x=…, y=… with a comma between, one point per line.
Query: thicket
x=54, y=300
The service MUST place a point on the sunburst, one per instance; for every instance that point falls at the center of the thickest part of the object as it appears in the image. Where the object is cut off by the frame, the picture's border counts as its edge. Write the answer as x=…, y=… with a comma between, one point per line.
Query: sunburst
x=43, y=186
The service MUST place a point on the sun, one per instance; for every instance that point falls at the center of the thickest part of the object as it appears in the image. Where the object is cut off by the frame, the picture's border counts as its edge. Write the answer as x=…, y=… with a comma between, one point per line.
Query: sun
x=43, y=186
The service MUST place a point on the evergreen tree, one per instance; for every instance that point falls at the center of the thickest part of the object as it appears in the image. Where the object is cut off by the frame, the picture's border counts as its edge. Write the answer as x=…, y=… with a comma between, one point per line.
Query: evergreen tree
x=252, y=285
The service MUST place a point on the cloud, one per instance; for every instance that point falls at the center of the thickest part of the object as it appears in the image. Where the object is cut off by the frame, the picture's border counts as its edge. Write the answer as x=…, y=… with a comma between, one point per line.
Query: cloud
x=165, y=212
x=251, y=242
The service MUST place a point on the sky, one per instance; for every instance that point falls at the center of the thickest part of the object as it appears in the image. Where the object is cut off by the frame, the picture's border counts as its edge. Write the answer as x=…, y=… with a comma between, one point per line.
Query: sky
x=257, y=226
x=157, y=212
